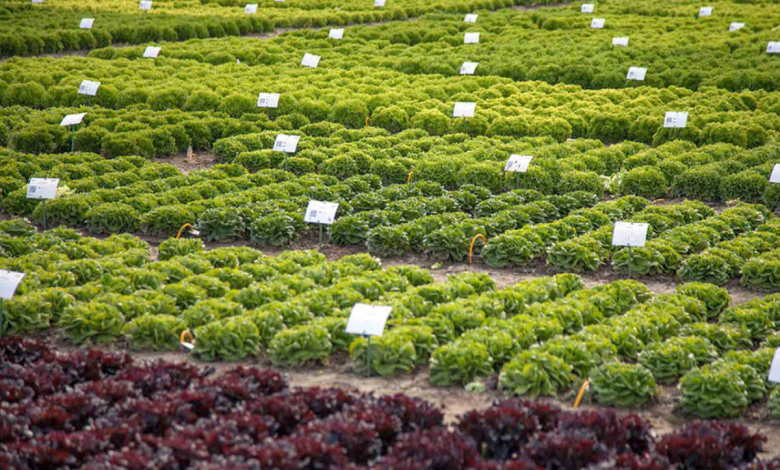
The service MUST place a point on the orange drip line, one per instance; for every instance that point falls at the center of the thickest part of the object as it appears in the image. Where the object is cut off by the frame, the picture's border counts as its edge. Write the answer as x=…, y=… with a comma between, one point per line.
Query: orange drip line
x=186, y=333
x=409, y=179
x=368, y=118
x=181, y=230
x=474, y=240
x=581, y=393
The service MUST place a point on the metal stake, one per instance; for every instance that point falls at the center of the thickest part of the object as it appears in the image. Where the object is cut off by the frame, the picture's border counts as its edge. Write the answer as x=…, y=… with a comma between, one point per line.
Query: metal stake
x=629, y=262
x=43, y=208
x=1, y=318
x=320, y=237
x=72, y=138
x=368, y=357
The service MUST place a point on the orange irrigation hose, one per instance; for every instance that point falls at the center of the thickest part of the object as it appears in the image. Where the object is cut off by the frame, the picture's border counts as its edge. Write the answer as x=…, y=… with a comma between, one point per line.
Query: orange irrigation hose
x=474, y=240
x=368, y=118
x=581, y=393
x=409, y=179
x=186, y=333
x=181, y=230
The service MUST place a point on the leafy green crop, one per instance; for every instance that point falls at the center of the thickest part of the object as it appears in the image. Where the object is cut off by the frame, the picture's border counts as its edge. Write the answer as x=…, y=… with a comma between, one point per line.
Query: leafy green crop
x=231, y=339
x=299, y=345
x=386, y=355
x=460, y=362
x=535, y=373
x=159, y=332
x=92, y=322
x=624, y=385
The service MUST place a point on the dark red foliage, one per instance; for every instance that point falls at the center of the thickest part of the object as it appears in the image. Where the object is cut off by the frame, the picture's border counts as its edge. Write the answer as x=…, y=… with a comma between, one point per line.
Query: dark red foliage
x=604, y=424
x=126, y=459
x=639, y=462
x=500, y=430
x=520, y=464
x=287, y=410
x=546, y=413
x=14, y=424
x=257, y=427
x=162, y=377
x=315, y=454
x=759, y=465
x=640, y=437
x=388, y=427
x=16, y=350
x=112, y=391
x=415, y=413
x=257, y=381
x=90, y=364
x=437, y=449
x=569, y=450
x=216, y=435
x=360, y=441
x=153, y=416
x=324, y=402
x=270, y=454
x=710, y=445
x=14, y=391
x=42, y=378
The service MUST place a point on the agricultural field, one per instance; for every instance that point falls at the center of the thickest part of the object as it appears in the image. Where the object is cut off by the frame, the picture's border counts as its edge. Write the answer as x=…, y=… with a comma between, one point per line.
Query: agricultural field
x=395, y=234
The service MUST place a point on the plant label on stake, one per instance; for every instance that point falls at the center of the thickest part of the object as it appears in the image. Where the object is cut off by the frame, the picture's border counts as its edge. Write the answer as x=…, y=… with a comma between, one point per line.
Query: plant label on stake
x=145, y=5
x=629, y=235
x=705, y=11
x=151, y=52
x=464, y=110
x=587, y=8
x=468, y=68
x=37, y=1
x=42, y=188
x=597, y=23
x=676, y=120
x=774, y=369
x=636, y=74
x=250, y=9
x=86, y=23
x=470, y=18
x=471, y=38
x=320, y=213
x=773, y=47
x=775, y=176
x=621, y=41
x=269, y=100
x=72, y=119
x=368, y=320
x=379, y=3
x=336, y=34
x=518, y=163
x=9, y=281
x=89, y=88
x=736, y=26
x=310, y=60
x=286, y=143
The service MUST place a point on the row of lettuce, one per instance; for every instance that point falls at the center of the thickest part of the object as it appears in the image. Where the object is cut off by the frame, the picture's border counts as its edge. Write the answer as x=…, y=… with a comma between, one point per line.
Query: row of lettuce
x=542, y=337
x=53, y=27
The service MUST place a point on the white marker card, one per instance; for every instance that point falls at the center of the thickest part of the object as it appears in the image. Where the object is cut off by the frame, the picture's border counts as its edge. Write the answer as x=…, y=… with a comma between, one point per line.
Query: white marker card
x=310, y=60
x=286, y=143
x=279, y=1
x=379, y=3
x=319, y=212
x=774, y=369
x=676, y=120
x=736, y=26
x=629, y=234
x=368, y=320
x=151, y=52
x=145, y=5
x=37, y=1
x=471, y=38
x=518, y=163
x=636, y=73
x=587, y=8
x=336, y=34
x=773, y=47
x=268, y=100
x=72, y=119
x=250, y=9
x=42, y=188
x=464, y=110
x=775, y=176
x=621, y=41
x=705, y=11
x=597, y=23
x=9, y=281
x=86, y=23
x=468, y=68
x=470, y=18
x=89, y=88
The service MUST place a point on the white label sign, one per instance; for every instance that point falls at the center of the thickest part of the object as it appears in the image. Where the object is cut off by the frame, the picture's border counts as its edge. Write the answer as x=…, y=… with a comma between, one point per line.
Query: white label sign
x=42, y=188
x=9, y=281
x=72, y=119
x=470, y=18
x=89, y=88
x=37, y=1
x=597, y=23
x=621, y=41
x=636, y=73
x=774, y=369
x=379, y=3
x=468, y=68
x=629, y=234
x=250, y=9
x=518, y=163
x=464, y=110
x=336, y=34
x=86, y=23
x=268, y=100
x=310, y=60
x=368, y=320
x=775, y=176
x=145, y=5
x=705, y=11
x=319, y=212
x=587, y=8
x=736, y=26
x=286, y=143
x=676, y=120
x=151, y=52
x=773, y=47
x=471, y=38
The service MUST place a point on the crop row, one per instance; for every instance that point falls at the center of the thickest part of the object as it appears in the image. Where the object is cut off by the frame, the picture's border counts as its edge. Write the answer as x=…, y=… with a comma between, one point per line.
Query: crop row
x=543, y=337
x=95, y=410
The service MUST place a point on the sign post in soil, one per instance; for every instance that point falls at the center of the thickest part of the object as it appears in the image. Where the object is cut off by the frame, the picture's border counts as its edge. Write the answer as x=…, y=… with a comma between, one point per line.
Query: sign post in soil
x=518, y=164
x=72, y=120
x=9, y=281
x=368, y=320
x=321, y=213
x=630, y=235
x=43, y=189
